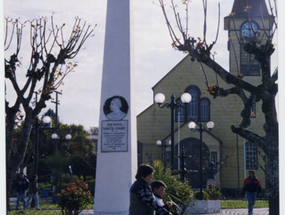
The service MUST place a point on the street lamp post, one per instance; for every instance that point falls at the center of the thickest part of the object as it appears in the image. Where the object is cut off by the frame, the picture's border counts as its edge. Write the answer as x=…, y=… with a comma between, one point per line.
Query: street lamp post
x=201, y=128
x=46, y=120
x=61, y=140
x=36, y=128
x=163, y=147
x=159, y=99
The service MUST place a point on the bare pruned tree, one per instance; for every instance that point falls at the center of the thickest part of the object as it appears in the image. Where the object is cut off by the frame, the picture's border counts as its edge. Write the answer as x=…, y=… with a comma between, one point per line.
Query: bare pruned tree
x=259, y=43
x=50, y=55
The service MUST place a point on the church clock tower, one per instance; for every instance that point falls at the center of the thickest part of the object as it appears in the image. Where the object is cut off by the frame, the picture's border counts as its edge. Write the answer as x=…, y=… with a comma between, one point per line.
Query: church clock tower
x=248, y=20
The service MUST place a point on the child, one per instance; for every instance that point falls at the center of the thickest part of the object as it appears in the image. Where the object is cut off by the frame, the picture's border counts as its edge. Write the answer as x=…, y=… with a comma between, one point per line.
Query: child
x=158, y=189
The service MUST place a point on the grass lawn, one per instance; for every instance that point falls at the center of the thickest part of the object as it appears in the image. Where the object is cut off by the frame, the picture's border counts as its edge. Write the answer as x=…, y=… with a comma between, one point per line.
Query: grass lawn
x=47, y=208
x=228, y=204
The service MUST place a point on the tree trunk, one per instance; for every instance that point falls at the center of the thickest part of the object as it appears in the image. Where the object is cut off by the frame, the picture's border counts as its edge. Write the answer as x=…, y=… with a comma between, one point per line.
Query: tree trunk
x=9, y=181
x=15, y=158
x=273, y=179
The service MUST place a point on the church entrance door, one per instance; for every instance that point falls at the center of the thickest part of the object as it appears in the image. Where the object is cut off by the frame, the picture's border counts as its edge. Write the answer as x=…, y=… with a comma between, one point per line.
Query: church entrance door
x=192, y=147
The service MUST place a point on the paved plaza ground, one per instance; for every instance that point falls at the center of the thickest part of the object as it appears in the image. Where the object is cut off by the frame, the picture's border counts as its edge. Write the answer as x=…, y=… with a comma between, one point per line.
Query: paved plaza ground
x=256, y=211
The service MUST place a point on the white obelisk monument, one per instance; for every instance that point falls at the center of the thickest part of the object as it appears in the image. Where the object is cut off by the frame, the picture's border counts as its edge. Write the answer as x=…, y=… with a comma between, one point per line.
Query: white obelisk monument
x=117, y=142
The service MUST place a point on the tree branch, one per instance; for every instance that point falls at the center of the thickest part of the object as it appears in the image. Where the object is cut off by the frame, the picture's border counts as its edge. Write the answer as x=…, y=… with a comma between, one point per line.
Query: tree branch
x=251, y=136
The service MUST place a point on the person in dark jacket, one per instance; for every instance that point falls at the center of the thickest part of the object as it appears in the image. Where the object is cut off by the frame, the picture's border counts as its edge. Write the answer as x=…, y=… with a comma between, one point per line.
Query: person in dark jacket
x=142, y=200
x=21, y=185
x=251, y=186
x=33, y=192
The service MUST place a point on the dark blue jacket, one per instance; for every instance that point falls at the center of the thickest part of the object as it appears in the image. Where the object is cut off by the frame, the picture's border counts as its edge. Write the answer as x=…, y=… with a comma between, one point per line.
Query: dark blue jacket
x=22, y=186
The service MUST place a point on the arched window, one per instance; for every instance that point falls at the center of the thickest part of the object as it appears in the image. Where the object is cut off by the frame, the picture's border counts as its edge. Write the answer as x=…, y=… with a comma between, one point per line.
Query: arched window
x=198, y=109
x=205, y=110
x=251, y=155
x=192, y=107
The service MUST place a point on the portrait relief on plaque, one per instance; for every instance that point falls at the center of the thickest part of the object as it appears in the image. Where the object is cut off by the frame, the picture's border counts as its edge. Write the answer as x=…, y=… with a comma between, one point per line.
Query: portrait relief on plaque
x=116, y=108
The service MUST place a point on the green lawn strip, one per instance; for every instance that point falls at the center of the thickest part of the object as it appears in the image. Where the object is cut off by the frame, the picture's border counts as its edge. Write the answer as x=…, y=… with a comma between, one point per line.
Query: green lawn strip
x=47, y=208
x=229, y=204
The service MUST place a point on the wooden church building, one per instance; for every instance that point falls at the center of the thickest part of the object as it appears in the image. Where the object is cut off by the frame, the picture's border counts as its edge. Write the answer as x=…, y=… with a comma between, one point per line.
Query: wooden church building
x=232, y=155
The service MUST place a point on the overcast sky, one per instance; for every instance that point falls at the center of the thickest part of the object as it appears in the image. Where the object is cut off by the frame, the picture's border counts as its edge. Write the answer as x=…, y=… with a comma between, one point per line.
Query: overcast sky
x=154, y=56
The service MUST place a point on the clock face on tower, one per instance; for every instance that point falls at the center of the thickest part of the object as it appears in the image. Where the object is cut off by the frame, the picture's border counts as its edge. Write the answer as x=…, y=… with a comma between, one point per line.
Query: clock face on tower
x=249, y=29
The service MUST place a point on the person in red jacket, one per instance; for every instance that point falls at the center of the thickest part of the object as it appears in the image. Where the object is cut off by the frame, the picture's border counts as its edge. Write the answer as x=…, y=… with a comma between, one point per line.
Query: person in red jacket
x=251, y=186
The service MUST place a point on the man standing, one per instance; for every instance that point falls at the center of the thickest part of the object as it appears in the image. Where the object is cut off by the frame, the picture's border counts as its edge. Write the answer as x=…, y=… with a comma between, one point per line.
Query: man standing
x=251, y=186
x=21, y=185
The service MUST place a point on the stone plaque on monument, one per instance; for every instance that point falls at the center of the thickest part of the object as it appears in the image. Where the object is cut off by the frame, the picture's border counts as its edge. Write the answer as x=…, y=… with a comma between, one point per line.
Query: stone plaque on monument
x=114, y=136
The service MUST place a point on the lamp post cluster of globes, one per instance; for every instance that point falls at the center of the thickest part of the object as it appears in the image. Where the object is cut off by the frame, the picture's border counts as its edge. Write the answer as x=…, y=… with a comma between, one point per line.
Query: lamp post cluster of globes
x=46, y=120
x=54, y=136
x=185, y=99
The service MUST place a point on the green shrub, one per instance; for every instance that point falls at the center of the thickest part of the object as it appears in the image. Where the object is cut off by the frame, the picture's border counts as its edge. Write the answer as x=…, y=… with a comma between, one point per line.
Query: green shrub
x=91, y=184
x=214, y=191
x=197, y=195
x=75, y=198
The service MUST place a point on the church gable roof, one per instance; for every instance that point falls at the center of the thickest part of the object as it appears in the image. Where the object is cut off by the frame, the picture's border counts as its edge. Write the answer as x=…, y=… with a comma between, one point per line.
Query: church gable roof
x=173, y=69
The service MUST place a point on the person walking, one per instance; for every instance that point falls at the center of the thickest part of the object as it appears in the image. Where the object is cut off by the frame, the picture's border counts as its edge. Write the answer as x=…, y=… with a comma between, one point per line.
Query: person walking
x=21, y=185
x=251, y=186
x=33, y=190
x=142, y=201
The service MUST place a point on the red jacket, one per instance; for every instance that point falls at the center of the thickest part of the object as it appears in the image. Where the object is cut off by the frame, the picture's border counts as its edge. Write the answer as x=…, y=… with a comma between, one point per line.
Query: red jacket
x=251, y=185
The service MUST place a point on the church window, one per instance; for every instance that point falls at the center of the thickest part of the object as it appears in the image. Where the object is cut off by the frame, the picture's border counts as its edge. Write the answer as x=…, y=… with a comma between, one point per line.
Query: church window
x=251, y=156
x=198, y=109
x=192, y=107
x=205, y=110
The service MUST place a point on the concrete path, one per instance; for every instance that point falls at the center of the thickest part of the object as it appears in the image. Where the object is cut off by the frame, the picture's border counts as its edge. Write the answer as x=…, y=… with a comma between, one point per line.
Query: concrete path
x=256, y=211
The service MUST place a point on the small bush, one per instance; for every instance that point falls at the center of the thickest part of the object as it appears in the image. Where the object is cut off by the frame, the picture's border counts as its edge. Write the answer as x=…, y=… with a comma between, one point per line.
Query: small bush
x=91, y=184
x=75, y=198
x=197, y=195
x=214, y=191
